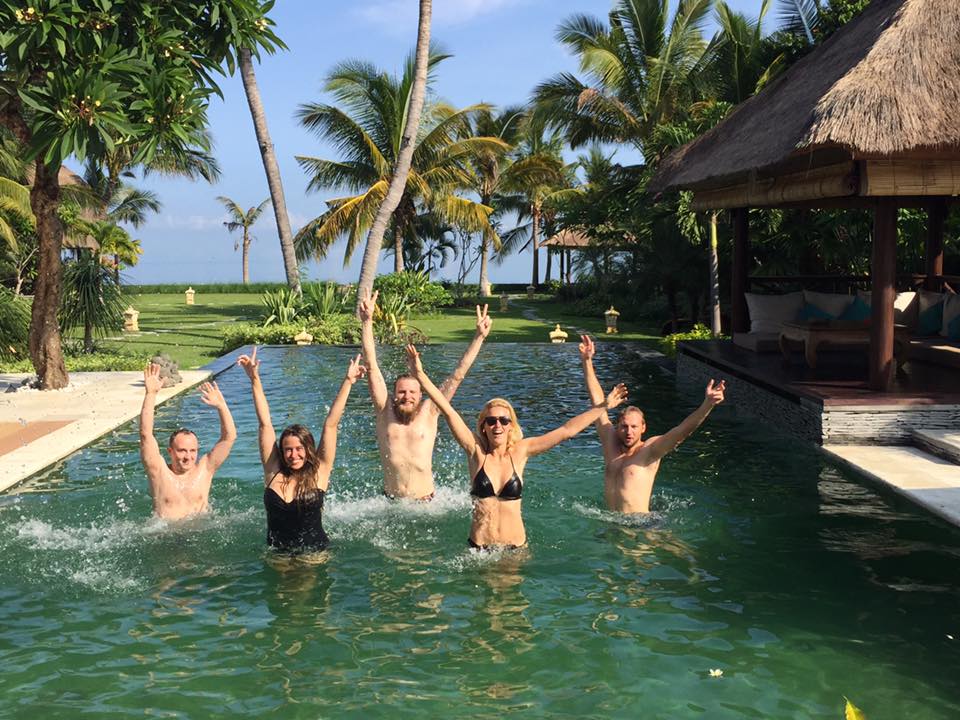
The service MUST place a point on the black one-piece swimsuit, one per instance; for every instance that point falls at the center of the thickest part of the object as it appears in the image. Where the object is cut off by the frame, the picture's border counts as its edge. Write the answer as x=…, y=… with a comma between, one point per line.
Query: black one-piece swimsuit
x=295, y=526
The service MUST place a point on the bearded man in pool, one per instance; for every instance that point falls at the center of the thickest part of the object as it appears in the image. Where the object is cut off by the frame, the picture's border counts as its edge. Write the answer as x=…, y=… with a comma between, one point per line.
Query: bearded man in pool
x=182, y=487
x=407, y=424
x=630, y=462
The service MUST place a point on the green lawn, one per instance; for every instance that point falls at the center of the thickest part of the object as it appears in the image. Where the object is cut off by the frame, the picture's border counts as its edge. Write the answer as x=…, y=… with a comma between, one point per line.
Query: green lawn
x=190, y=334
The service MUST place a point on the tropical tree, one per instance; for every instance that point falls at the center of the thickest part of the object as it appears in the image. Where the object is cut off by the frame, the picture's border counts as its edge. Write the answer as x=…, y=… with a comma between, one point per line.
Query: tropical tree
x=240, y=220
x=270, y=166
x=404, y=158
x=368, y=131
x=91, y=299
x=82, y=78
x=639, y=71
x=116, y=244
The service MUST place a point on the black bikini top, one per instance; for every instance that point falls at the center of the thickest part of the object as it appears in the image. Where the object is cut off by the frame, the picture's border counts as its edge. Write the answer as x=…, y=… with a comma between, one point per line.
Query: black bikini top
x=483, y=488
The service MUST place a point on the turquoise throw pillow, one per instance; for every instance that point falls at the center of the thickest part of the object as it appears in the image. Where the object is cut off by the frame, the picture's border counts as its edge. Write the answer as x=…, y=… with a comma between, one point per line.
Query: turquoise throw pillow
x=857, y=311
x=812, y=312
x=953, y=329
x=931, y=320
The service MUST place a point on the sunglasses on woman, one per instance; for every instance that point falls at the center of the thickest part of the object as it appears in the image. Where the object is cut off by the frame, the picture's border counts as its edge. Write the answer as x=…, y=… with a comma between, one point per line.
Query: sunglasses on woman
x=492, y=420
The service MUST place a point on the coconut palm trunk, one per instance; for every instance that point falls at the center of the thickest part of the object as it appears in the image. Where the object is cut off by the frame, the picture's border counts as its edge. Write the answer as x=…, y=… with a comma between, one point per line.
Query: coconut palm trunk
x=398, y=249
x=398, y=180
x=714, y=277
x=535, y=242
x=46, y=350
x=246, y=256
x=484, y=266
x=272, y=170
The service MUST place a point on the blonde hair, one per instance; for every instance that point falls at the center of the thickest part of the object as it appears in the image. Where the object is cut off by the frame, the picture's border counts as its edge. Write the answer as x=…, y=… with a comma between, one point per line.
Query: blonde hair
x=514, y=434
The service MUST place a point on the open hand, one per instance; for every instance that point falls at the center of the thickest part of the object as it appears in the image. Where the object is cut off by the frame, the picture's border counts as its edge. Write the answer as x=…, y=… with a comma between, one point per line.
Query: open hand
x=616, y=397
x=151, y=379
x=483, y=322
x=587, y=348
x=367, y=305
x=210, y=395
x=714, y=393
x=250, y=364
x=413, y=360
x=356, y=370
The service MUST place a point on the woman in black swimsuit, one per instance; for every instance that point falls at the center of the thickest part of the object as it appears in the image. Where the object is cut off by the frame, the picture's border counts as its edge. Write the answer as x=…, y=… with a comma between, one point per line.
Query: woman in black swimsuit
x=296, y=472
x=497, y=454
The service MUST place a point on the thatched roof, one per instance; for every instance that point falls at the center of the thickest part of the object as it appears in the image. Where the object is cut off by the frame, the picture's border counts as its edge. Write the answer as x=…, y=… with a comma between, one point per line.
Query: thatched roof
x=887, y=84
x=568, y=238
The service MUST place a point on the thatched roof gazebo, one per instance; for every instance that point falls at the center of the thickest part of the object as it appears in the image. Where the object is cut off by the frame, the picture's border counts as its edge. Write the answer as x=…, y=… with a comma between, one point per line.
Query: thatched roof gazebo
x=870, y=119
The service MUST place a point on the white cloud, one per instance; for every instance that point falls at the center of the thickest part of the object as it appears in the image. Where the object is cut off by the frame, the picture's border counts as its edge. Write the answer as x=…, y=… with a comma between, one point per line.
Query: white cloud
x=400, y=15
x=193, y=222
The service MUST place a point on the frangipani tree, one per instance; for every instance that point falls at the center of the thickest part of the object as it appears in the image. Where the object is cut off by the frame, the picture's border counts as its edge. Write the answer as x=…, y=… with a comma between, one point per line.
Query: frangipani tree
x=83, y=78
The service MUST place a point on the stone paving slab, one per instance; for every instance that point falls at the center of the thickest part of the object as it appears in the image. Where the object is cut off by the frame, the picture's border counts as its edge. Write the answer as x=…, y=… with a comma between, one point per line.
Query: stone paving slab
x=945, y=443
x=927, y=480
x=56, y=423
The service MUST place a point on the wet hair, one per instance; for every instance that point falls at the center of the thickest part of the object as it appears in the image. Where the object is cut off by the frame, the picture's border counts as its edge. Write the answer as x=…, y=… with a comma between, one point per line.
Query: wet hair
x=306, y=477
x=182, y=431
x=405, y=376
x=515, y=433
x=631, y=409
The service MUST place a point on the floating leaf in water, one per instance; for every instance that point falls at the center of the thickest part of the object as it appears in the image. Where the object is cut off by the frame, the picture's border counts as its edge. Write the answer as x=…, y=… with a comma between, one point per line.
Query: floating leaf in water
x=853, y=712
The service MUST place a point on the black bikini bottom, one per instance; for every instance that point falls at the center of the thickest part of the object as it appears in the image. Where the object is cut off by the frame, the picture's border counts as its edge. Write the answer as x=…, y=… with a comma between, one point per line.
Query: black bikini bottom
x=491, y=548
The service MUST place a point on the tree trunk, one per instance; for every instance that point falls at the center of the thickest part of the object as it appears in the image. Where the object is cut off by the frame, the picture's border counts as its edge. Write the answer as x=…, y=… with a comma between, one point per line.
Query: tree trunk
x=246, y=257
x=87, y=336
x=484, y=277
x=549, y=272
x=116, y=269
x=398, y=249
x=271, y=168
x=535, y=242
x=45, y=347
x=569, y=260
x=401, y=170
x=714, y=277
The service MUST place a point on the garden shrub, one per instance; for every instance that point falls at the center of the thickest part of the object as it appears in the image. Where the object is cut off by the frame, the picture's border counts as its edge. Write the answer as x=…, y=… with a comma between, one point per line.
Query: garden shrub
x=78, y=361
x=14, y=324
x=342, y=329
x=668, y=344
x=421, y=294
x=201, y=288
x=279, y=307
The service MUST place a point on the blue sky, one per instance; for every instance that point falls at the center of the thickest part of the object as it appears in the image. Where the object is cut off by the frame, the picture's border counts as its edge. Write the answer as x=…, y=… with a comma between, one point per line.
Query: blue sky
x=501, y=49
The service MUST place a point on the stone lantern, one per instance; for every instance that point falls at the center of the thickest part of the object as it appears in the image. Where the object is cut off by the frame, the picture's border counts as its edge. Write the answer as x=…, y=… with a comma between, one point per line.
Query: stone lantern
x=530, y=291
x=610, y=316
x=130, y=320
x=189, y=293
x=504, y=302
x=303, y=338
x=558, y=335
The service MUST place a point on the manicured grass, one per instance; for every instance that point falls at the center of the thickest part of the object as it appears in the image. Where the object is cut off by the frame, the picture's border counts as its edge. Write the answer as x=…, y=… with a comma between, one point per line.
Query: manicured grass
x=190, y=334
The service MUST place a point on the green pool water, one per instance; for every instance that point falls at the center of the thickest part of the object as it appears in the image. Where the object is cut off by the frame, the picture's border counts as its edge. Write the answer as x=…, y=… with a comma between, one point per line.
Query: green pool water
x=800, y=582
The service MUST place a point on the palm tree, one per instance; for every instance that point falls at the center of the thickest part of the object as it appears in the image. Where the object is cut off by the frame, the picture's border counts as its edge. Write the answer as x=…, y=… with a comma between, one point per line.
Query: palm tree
x=240, y=220
x=368, y=131
x=116, y=243
x=272, y=169
x=640, y=71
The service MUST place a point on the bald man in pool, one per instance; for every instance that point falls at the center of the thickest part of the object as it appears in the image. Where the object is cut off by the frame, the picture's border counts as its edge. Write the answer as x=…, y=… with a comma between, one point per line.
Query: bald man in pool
x=407, y=424
x=181, y=487
x=630, y=462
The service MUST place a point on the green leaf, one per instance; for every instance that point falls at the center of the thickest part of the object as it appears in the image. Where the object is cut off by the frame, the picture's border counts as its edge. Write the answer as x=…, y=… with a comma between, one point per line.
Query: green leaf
x=61, y=47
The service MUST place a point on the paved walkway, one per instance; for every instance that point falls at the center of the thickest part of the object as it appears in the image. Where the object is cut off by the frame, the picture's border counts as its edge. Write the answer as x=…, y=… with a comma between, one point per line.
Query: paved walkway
x=37, y=429
x=925, y=479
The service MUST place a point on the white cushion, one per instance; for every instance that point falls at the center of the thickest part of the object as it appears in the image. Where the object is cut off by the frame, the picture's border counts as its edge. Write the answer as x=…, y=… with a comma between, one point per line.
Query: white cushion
x=951, y=308
x=769, y=312
x=906, y=307
x=833, y=304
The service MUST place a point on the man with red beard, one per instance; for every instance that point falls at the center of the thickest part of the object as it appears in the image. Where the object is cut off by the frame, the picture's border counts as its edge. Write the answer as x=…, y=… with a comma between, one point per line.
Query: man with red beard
x=630, y=462
x=407, y=424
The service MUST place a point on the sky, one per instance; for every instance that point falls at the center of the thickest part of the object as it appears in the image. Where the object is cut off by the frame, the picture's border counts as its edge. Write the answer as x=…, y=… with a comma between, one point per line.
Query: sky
x=501, y=50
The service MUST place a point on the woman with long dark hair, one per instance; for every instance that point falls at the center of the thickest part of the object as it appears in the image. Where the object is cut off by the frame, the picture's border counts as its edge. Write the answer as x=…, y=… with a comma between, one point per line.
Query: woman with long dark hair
x=296, y=472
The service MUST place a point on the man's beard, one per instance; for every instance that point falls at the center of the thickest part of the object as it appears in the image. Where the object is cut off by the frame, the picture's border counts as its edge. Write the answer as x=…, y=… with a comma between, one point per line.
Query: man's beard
x=404, y=415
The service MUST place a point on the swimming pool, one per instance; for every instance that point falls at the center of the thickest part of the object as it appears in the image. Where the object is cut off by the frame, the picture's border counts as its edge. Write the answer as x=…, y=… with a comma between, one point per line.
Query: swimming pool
x=763, y=560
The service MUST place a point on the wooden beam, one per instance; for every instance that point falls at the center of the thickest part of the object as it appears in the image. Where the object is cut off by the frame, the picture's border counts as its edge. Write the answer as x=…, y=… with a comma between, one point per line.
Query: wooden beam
x=824, y=182
x=739, y=315
x=883, y=276
x=893, y=178
x=933, y=253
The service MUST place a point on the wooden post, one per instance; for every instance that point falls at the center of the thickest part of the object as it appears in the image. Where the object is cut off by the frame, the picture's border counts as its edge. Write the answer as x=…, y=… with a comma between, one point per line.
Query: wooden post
x=569, y=259
x=936, y=217
x=740, y=317
x=883, y=276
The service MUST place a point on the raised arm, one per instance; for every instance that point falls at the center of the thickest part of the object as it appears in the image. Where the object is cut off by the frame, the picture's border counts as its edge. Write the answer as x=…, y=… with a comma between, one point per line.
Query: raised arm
x=149, y=449
x=210, y=395
x=450, y=385
x=461, y=432
x=328, y=441
x=713, y=396
x=378, y=388
x=587, y=352
x=266, y=435
x=575, y=425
